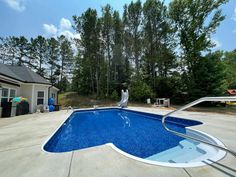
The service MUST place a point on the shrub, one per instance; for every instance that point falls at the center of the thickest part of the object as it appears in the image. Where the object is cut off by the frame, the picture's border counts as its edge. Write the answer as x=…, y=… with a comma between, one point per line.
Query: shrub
x=114, y=95
x=140, y=91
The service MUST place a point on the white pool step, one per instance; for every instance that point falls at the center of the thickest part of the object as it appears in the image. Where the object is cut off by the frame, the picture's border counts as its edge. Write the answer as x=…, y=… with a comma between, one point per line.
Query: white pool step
x=185, y=152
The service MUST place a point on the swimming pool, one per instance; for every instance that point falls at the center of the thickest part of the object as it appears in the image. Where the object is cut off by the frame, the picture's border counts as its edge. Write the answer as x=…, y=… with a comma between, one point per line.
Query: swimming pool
x=135, y=134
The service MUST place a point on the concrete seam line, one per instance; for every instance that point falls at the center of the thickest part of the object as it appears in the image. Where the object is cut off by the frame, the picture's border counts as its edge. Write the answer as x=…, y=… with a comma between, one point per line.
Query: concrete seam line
x=70, y=163
x=187, y=172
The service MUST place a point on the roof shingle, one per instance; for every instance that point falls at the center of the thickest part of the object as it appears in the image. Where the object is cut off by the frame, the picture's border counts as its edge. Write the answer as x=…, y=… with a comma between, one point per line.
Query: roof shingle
x=22, y=73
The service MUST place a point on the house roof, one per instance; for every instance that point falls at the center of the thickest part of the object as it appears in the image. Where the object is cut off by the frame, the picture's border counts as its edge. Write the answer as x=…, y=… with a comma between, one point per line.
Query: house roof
x=22, y=73
x=232, y=91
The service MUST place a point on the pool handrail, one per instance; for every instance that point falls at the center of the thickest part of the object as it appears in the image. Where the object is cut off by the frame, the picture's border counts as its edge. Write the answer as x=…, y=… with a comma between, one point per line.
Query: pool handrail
x=204, y=99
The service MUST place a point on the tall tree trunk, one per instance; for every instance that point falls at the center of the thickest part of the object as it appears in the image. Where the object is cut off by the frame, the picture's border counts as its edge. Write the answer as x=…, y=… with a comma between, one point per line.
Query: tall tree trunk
x=62, y=67
x=91, y=77
x=108, y=69
x=51, y=74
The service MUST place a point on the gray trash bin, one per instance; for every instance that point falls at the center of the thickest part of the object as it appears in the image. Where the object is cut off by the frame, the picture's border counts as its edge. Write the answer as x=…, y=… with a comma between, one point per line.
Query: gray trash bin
x=13, y=109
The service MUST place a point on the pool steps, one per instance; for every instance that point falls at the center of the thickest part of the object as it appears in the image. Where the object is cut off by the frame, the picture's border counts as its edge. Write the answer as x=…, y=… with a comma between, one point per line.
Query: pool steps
x=187, y=151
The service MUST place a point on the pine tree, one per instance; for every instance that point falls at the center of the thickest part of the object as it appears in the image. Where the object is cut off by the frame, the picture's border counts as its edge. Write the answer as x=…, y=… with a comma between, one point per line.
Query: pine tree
x=53, y=57
x=132, y=18
x=39, y=49
x=66, y=56
x=158, y=41
x=107, y=33
x=118, y=65
x=90, y=59
x=195, y=22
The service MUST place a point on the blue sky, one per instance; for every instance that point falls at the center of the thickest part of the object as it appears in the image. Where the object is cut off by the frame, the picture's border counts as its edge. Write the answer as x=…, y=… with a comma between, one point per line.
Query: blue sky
x=53, y=17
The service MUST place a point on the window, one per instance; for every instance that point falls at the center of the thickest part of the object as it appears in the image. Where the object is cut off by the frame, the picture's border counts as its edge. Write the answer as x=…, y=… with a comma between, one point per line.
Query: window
x=7, y=94
x=12, y=93
x=40, y=97
x=4, y=98
x=53, y=95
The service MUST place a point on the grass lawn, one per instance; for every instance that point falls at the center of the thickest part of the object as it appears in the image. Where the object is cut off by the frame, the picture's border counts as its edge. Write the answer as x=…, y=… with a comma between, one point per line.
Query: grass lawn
x=78, y=101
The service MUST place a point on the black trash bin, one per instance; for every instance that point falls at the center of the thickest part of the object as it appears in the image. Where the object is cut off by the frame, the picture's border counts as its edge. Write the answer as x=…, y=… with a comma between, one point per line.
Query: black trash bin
x=22, y=108
x=6, y=109
x=56, y=107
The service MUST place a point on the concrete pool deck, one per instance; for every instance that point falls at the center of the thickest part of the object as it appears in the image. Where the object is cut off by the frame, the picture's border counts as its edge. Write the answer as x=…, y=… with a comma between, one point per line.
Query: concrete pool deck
x=21, y=139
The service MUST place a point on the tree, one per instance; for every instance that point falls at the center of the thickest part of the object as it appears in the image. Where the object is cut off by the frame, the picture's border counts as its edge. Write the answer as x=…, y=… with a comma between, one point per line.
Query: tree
x=9, y=50
x=66, y=56
x=4, y=50
x=158, y=41
x=210, y=76
x=52, y=57
x=229, y=60
x=90, y=59
x=22, y=50
x=195, y=21
x=107, y=33
x=39, y=49
x=132, y=18
x=127, y=44
x=119, y=68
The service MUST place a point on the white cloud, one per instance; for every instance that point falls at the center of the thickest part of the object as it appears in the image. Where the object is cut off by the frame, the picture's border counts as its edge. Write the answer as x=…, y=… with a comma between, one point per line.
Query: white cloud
x=77, y=36
x=50, y=29
x=65, y=24
x=217, y=43
x=18, y=5
x=67, y=34
x=64, y=28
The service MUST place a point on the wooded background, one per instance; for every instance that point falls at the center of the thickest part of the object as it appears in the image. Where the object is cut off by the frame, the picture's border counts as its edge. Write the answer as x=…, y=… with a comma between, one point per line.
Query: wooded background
x=153, y=49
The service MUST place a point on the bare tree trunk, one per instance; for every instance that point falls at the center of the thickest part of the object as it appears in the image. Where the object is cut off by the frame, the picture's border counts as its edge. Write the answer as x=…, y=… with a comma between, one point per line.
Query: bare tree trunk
x=108, y=69
x=91, y=77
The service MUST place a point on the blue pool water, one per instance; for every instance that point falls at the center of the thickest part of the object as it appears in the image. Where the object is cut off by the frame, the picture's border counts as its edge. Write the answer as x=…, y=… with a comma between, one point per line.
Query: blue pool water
x=139, y=134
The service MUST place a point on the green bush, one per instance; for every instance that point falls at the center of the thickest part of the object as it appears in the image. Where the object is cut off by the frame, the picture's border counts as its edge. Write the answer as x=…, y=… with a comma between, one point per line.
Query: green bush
x=140, y=91
x=114, y=95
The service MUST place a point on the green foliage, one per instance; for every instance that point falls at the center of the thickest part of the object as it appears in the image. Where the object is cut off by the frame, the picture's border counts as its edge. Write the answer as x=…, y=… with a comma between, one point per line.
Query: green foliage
x=209, y=77
x=139, y=47
x=91, y=62
x=132, y=19
x=140, y=91
x=53, y=58
x=229, y=60
x=64, y=85
x=39, y=53
x=159, y=56
x=114, y=95
x=66, y=55
x=107, y=30
x=195, y=21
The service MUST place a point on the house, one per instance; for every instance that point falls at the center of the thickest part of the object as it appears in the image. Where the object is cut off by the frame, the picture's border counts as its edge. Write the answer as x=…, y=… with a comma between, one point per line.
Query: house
x=21, y=81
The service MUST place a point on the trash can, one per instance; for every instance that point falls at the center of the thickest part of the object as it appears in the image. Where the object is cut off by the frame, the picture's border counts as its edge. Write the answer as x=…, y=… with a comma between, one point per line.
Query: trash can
x=0, y=111
x=6, y=109
x=56, y=107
